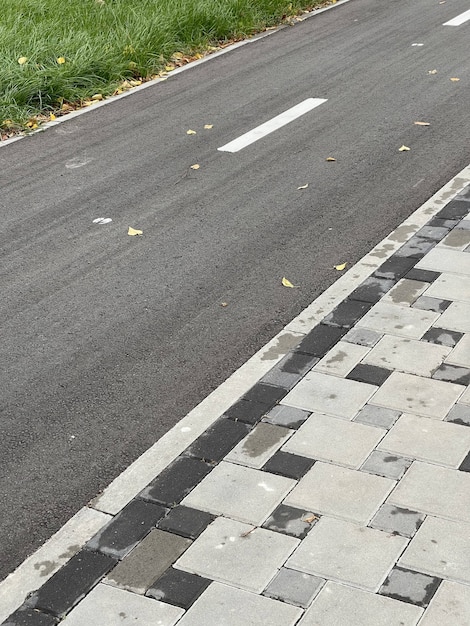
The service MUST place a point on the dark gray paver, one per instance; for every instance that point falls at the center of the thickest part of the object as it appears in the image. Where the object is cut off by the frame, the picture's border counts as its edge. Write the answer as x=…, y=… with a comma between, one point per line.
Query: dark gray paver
x=372, y=289
x=465, y=465
x=320, y=340
x=347, y=313
x=185, y=521
x=294, y=587
x=290, y=370
x=363, y=337
x=453, y=374
x=29, y=617
x=262, y=392
x=394, y=519
x=290, y=465
x=416, y=247
x=409, y=586
x=218, y=440
x=178, y=587
x=247, y=411
x=431, y=304
x=425, y=276
x=459, y=414
x=291, y=521
x=395, y=267
x=442, y=337
x=371, y=374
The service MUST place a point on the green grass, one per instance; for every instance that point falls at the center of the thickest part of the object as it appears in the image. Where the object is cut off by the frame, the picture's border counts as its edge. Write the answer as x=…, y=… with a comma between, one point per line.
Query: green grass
x=105, y=42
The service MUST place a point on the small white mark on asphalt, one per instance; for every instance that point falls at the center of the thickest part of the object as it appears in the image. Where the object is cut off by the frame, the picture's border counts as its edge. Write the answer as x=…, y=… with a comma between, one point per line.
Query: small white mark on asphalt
x=417, y=44
x=418, y=183
x=102, y=220
x=271, y=125
x=73, y=164
x=460, y=19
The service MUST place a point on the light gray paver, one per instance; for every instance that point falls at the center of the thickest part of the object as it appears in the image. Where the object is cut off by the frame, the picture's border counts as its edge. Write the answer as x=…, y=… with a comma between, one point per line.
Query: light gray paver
x=465, y=398
x=450, y=287
x=377, y=416
x=337, y=605
x=239, y=492
x=259, y=445
x=221, y=605
x=414, y=394
x=428, y=440
x=394, y=519
x=440, y=548
x=460, y=414
x=109, y=606
x=333, y=439
x=234, y=553
x=407, y=355
x=405, y=292
x=341, y=359
x=450, y=605
x=443, y=260
x=348, y=553
x=362, y=336
x=329, y=394
x=385, y=464
x=435, y=490
x=340, y=492
x=460, y=355
x=294, y=587
x=286, y=416
x=457, y=316
x=152, y=556
x=398, y=320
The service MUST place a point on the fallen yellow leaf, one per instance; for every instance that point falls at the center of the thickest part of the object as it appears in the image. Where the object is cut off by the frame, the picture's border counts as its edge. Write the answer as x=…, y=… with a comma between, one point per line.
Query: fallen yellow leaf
x=287, y=283
x=97, y=96
x=331, y=159
x=60, y=60
x=432, y=72
x=190, y=132
x=404, y=149
x=52, y=117
x=196, y=166
x=208, y=126
x=303, y=186
x=341, y=267
x=135, y=83
x=169, y=68
x=422, y=124
x=177, y=55
x=133, y=232
x=455, y=80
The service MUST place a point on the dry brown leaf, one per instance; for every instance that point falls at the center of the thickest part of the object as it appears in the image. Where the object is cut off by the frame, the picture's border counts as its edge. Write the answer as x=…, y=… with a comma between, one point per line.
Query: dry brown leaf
x=190, y=132
x=303, y=186
x=331, y=159
x=287, y=283
x=310, y=519
x=133, y=232
x=404, y=149
x=248, y=532
x=341, y=267
x=196, y=166
x=422, y=124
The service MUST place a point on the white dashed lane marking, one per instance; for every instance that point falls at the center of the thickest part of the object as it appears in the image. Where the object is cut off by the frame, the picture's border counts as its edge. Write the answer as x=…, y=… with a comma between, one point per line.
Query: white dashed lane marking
x=460, y=19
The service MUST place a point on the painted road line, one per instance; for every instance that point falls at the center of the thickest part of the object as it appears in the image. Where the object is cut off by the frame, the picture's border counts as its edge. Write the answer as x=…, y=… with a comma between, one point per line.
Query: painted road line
x=460, y=19
x=271, y=125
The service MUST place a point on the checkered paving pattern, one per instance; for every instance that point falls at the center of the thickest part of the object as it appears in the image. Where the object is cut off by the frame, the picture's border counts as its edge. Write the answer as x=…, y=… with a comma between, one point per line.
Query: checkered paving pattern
x=336, y=491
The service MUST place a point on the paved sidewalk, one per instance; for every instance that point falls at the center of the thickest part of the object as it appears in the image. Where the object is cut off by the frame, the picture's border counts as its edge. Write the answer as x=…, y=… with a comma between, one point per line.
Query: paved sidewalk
x=335, y=492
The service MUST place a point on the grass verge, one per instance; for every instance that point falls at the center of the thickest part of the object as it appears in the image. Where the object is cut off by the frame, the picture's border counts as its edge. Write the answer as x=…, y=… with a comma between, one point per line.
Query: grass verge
x=56, y=55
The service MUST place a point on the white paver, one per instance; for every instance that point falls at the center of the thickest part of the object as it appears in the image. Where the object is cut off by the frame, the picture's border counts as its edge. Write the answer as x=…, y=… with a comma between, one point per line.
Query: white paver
x=235, y=553
x=239, y=492
x=450, y=287
x=443, y=260
x=329, y=394
x=414, y=394
x=435, y=490
x=341, y=359
x=348, y=553
x=428, y=440
x=460, y=355
x=398, y=320
x=328, y=438
x=440, y=548
x=450, y=605
x=457, y=316
x=259, y=445
x=109, y=606
x=407, y=355
x=340, y=492
x=337, y=605
x=221, y=605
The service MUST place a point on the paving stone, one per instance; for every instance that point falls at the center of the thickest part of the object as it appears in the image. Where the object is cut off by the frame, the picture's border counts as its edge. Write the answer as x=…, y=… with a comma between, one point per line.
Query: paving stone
x=262, y=392
x=459, y=414
x=247, y=411
x=291, y=521
x=334, y=440
x=395, y=267
x=235, y=553
x=320, y=339
x=416, y=247
x=347, y=313
x=68, y=586
x=218, y=440
x=137, y=571
x=228, y=606
x=398, y=320
x=450, y=287
x=450, y=605
x=464, y=223
x=427, y=440
x=410, y=586
x=186, y=522
x=341, y=359
x=440, y=548
x=414, y=394
x=29, y=617
x=436, y=232
x=465, y=465
x=426, y=303
x=337, y=605
x=286, y=416
x=176, y=481
x=178, y=587
x=239, y=492
x=362, y=337
x=377, y=416
x=456, y=209
x=443, y=223
x=386, y=464
x=370, y=374
x=460, y=355
x=457, y=239
x=444, y=260
x=405, y=292
x=442, y=337
x=465, y=397
x=294, y=587
x=289, y=465
x=417, y=491
x=453, y=374
x=340, y=492
x=259, y=445
x=372, y=289
x=329, y=394
x=407, y=355
x=347, y=553
x=457, y=316
x=394, y=519
x=290, y=370
x=424, y=276
x=115, y=606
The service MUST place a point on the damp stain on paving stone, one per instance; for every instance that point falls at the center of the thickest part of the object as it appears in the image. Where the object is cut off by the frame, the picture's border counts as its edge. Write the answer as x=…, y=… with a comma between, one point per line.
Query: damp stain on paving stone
x=402, y=233
x=263, y=438
x=284, y=343
x=46, y=567
x=406, y=291
x=457, y=238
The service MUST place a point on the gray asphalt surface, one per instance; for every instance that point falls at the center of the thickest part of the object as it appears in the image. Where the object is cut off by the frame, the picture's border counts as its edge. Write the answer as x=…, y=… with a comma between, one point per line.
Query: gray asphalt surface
x=108, y=340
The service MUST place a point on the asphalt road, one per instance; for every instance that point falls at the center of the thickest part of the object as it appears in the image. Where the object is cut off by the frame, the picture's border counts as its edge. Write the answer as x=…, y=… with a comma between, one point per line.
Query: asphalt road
x=108, y=340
